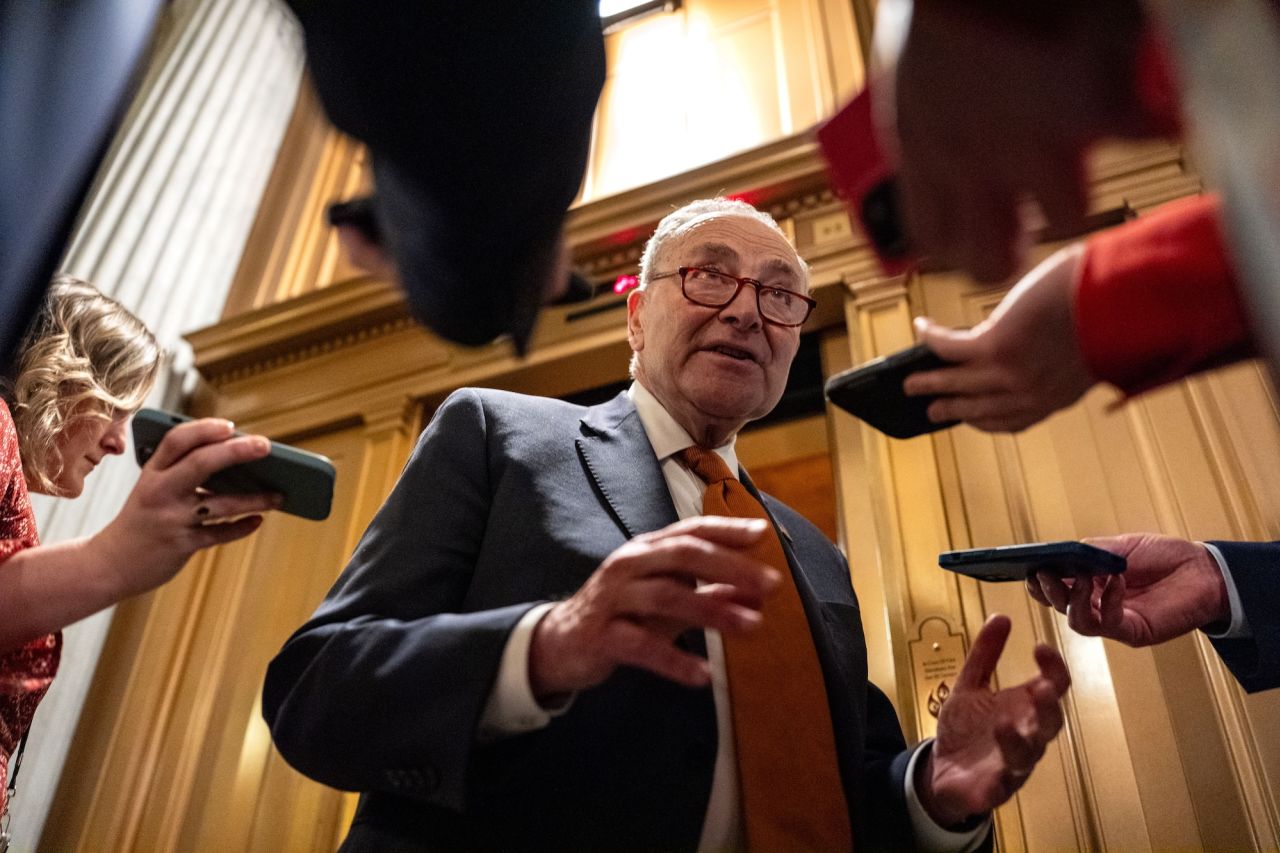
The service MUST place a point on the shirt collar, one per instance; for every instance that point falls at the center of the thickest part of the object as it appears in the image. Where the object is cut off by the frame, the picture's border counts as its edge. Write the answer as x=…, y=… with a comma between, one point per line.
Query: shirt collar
x=665, y=434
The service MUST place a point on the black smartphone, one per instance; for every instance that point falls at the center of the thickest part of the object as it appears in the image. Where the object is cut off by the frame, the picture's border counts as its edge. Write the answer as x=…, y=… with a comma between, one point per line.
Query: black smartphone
x=1015, y=562
x=873, y=392
x=304, y=479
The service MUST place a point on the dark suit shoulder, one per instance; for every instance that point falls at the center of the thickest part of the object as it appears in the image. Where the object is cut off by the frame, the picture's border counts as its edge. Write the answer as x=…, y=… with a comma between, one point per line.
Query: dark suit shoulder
x=509, y=408
x=499, y=400
x=515, y=426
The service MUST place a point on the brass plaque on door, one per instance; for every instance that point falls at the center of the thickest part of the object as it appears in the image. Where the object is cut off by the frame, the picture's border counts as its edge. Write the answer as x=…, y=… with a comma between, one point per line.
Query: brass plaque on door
x=937, y=653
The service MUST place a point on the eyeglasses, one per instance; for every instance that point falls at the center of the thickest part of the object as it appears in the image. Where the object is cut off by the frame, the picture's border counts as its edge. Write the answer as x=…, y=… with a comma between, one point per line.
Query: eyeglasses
x=715, y=289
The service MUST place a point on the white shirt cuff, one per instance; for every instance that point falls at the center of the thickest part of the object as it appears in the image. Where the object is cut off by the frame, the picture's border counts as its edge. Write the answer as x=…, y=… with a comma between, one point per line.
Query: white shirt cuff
x=1238, y=628
x=930, y=837
x=512, y=708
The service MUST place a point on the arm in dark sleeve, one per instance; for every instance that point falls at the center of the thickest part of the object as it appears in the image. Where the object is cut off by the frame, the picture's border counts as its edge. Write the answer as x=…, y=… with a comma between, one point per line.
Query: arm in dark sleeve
x=882, y=820
x=382, y=688
x=1255, y=570
x=1157, y=298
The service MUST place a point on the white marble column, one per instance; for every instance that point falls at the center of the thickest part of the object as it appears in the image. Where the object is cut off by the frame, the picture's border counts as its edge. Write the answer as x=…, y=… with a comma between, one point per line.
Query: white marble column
x=162, y=232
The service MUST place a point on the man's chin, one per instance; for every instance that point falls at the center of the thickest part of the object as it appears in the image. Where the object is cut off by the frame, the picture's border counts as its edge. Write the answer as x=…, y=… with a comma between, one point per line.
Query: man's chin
x=730, y=410
x=729, y=365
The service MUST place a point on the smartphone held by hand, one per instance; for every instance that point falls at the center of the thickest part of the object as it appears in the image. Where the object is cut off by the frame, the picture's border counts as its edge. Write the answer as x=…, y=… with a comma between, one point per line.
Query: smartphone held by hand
x=873, y=392
x=1016, y=562
x=304, y=479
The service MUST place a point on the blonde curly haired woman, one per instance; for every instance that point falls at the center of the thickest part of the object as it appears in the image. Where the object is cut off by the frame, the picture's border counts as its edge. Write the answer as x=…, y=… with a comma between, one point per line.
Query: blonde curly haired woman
x=86, y=365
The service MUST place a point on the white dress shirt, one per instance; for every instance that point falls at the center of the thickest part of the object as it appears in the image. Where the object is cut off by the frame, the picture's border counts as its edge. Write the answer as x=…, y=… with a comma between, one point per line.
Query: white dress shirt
x=1238, y=627
x=512, y=708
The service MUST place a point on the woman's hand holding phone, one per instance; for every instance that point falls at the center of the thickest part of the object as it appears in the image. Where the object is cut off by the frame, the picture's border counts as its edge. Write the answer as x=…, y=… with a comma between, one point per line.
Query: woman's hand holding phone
x=167, y=517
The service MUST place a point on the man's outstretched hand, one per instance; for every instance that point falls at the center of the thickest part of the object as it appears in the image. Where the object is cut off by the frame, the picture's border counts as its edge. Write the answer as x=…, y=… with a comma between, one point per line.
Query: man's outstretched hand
x=989, y=741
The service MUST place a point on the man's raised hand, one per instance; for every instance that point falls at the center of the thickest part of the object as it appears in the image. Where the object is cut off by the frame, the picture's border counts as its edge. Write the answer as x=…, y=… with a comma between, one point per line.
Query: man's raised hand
x=643, y=595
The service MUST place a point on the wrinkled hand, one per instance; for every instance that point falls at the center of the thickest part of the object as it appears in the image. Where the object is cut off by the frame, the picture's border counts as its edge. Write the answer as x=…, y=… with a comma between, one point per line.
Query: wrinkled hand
x=642, y=596
x=1170, y=587
x=991, y=110
x=988, y=742
x=1019, y=365
x=166, y=519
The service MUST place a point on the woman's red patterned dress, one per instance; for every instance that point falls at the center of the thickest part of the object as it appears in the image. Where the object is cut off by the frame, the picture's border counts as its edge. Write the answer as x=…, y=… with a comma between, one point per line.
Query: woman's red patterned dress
x=25, y=672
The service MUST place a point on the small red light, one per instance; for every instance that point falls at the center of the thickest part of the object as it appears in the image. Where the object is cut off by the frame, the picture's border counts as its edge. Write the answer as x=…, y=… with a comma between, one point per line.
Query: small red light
x=751, y=197
x=623, y=283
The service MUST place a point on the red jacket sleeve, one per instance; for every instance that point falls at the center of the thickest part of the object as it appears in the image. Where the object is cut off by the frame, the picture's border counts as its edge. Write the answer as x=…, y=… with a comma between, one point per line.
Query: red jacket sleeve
x=1157, y=298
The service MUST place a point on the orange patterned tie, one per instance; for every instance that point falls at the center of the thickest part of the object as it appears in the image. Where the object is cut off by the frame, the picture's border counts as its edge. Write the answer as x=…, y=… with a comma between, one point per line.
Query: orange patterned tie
x=792, y=799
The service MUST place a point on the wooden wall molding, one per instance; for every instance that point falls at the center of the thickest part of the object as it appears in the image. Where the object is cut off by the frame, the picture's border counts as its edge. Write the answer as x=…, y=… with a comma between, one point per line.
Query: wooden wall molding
x=315, y=324
x=793, y=205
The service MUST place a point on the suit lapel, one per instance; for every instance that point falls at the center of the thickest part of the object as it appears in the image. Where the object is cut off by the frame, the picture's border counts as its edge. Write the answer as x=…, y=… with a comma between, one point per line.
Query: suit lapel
x=619, y=461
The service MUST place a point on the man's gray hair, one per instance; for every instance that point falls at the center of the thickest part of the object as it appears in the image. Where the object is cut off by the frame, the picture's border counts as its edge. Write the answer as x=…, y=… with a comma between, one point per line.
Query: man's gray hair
x=675, y=222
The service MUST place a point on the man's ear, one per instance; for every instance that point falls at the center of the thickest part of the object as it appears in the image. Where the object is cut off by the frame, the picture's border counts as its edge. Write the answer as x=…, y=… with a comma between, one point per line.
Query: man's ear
x=635, y=328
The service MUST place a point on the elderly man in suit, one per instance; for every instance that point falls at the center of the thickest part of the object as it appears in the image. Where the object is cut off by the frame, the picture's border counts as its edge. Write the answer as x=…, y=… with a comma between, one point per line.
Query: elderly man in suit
x=557, y=635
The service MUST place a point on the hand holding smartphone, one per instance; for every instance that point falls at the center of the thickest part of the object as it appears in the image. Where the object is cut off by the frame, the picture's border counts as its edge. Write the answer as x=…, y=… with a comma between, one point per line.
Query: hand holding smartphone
x=304, y=479
x=1016, y=562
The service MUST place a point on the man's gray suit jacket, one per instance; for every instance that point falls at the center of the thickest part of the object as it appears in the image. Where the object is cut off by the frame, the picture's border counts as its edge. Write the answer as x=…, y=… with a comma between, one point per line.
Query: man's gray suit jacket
x=508, y=501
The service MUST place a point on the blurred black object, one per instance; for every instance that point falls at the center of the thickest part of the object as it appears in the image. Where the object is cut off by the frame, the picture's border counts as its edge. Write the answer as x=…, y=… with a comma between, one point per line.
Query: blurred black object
x=579, y=290
x=67, y=70
x=873, y=392
x=358, y=213
x=361, y=214
x=478, y=120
